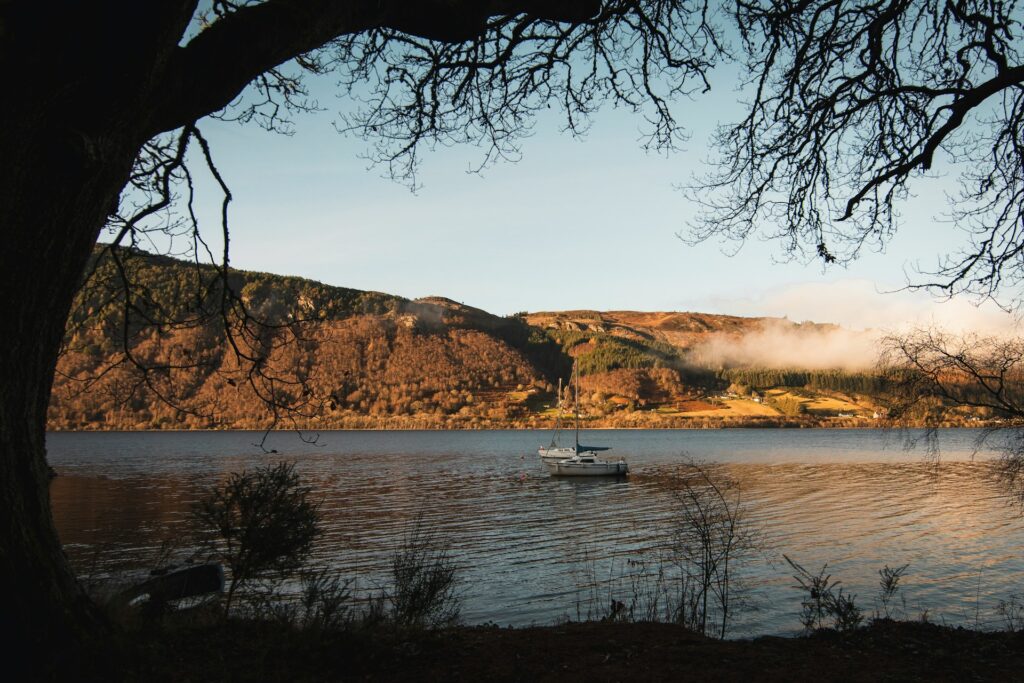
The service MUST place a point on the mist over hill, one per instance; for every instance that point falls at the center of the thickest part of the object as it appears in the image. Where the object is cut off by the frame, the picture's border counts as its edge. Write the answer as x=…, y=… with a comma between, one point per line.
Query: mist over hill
x=356, y=359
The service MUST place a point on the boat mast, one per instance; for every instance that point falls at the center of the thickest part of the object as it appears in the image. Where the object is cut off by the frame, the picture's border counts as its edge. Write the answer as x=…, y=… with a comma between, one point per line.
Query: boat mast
x=576, y=405
x=558, y=417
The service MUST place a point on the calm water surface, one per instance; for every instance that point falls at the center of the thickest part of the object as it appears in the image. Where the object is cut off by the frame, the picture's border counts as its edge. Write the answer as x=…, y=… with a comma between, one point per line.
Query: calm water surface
x=532, y=546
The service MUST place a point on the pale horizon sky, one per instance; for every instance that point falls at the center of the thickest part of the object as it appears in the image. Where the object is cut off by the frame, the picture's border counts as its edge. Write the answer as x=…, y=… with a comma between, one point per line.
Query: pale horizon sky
x=575, y=224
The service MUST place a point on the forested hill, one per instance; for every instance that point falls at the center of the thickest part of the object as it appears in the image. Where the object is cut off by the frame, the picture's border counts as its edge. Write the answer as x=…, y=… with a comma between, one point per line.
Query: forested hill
x=351, y=358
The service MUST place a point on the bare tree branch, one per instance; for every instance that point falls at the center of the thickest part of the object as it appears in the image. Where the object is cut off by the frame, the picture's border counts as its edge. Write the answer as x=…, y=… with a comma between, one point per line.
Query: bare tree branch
x=933, y=373
x=852, y=101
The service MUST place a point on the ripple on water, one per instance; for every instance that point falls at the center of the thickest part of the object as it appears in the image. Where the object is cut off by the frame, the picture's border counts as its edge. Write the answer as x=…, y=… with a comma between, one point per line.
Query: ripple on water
x=534, y=549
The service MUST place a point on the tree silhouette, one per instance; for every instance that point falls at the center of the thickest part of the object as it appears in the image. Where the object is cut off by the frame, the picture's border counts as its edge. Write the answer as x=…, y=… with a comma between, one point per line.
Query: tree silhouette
x=106, y=100
x=931, y=370
x=849, y=103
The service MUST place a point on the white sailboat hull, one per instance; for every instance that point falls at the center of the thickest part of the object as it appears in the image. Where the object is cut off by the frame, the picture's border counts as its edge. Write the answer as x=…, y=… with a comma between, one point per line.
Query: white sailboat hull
x=578, y=460
x=587, y=467
x=556, y=452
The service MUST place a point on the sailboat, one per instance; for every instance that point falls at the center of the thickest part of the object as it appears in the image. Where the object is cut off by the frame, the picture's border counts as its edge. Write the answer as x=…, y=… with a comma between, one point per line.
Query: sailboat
x=554, y=450
x=577, y=460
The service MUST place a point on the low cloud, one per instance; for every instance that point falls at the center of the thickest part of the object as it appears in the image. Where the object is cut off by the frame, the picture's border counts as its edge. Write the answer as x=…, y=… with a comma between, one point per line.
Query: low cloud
x=863, y=305
x=856, y=316
x=782, y=344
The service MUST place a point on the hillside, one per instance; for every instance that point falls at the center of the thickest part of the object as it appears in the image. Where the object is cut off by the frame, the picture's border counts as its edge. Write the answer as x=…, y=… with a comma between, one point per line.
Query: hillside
x=340, y=353
x=683, y=330
x=355, y=359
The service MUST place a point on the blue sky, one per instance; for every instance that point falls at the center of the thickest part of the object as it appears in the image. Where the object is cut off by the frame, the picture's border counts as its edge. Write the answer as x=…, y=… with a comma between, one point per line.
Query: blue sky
x=588, y=223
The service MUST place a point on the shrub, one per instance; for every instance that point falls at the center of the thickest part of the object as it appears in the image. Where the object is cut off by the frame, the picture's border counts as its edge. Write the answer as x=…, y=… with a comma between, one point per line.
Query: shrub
x=710, y=536
x=424, y=580
x=825, y=599
x=264, y=524
x=325, y=600
x=888, y=585
x=1012, y=612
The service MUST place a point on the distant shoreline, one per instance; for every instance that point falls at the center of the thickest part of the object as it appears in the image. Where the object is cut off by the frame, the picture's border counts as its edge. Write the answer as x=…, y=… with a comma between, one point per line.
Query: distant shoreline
x=535, y=428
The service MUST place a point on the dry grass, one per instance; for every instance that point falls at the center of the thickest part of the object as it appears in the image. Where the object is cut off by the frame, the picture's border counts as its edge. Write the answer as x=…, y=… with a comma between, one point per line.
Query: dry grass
x=818, y=403
x=736, y=407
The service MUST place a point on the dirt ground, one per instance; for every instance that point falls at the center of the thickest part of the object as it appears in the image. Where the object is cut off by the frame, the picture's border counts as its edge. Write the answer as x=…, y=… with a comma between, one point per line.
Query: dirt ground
x=883, y=651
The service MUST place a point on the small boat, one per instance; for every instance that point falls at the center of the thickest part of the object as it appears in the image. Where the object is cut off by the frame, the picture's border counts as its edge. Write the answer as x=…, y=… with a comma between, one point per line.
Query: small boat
x=554, y=453
x=587, y=464
x=551, y=453
x=173, y=585
x=577, y=460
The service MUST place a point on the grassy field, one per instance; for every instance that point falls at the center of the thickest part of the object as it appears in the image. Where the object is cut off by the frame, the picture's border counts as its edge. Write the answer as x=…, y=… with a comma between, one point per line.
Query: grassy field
x=817, y=404
x=735, y=407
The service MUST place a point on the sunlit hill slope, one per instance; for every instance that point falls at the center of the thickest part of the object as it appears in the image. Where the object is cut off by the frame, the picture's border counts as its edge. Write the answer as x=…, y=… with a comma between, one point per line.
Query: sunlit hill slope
x=353, y=359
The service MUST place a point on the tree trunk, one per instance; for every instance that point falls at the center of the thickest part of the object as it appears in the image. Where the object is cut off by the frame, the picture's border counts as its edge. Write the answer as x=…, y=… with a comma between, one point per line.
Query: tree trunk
x=81, y=79
x=57, y=186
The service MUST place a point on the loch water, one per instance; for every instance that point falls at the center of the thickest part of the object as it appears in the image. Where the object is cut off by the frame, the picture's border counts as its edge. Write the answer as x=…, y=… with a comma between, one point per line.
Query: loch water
x=533, y=549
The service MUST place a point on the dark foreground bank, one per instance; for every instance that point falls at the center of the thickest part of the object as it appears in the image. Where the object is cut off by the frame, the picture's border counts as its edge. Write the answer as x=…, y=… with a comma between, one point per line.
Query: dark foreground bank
x=247, y=651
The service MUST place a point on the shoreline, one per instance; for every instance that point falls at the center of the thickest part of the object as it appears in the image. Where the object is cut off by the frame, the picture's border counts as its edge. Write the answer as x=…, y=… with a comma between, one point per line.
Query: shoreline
x=245, y=650
x=415, y=426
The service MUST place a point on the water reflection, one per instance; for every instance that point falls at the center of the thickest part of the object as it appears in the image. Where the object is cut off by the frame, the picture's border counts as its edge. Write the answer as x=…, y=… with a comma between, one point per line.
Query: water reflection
x=525, y=539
